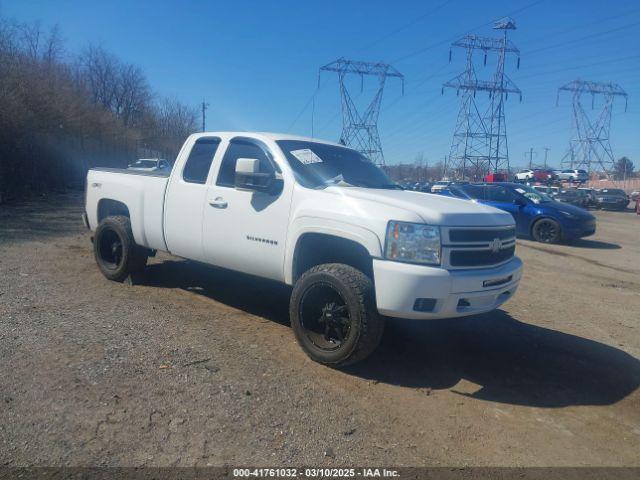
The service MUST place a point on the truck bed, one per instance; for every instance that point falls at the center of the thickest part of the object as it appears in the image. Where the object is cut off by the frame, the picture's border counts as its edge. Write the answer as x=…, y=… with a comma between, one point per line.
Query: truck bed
x=140, y=193
x=128, y=171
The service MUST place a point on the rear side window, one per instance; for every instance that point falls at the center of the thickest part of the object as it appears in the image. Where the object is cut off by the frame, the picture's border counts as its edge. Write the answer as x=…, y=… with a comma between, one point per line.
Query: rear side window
x=240, y=148
x=475, y=192
x=199, y=162
x=498, y=193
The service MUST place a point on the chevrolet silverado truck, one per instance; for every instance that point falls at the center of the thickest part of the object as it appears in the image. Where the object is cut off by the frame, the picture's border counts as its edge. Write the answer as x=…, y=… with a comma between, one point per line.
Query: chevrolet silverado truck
x=355, y=246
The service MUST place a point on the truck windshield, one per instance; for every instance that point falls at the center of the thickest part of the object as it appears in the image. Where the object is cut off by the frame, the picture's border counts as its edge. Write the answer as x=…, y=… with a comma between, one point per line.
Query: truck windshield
x=317, y=165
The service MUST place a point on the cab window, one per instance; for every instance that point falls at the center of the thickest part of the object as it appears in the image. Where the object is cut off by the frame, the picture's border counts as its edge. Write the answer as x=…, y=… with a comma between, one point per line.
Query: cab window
x=242, y=148
x=198, y=164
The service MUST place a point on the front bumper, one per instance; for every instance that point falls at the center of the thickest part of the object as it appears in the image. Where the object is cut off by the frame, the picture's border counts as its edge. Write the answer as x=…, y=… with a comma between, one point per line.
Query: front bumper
x=451, y=293
x=579, y=229
x=613, y=204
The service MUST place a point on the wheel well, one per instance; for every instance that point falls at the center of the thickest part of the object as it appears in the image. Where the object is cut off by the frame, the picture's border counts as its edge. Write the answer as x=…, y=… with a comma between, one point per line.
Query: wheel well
x=316, y=248
x=108, y=207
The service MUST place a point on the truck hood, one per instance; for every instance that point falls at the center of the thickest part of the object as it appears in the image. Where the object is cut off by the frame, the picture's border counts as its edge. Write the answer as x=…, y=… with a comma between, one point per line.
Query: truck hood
x=433, y=209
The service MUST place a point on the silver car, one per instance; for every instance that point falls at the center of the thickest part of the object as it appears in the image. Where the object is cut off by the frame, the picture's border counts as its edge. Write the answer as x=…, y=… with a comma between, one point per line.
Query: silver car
x=574, y=175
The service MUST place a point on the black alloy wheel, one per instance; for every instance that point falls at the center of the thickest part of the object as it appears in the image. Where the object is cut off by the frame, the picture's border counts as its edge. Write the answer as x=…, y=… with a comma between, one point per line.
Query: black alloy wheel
x=547, y=230
x=324, y=316
x=115, y=250
x=110, y=249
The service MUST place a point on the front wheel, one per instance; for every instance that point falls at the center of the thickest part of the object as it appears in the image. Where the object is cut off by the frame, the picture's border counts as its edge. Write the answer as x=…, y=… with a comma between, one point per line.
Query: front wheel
x=334, y=316
x=547, y=230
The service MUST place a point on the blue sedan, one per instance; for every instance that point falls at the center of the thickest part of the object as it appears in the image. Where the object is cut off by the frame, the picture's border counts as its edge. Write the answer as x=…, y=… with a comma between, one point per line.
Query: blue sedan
x=536, y=214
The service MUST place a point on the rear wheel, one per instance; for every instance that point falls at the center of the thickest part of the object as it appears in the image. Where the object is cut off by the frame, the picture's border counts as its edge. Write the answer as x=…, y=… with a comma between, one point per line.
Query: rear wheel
x=115, y=250
x=333, y=315
x=547, y=230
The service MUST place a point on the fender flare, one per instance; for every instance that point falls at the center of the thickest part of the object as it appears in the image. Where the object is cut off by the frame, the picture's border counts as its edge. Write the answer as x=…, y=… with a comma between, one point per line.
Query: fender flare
x=307, y=224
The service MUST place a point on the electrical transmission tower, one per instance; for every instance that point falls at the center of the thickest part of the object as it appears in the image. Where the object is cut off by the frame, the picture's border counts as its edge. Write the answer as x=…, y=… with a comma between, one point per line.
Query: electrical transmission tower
x=479, y=143
x=590, y=148
x=360, y=131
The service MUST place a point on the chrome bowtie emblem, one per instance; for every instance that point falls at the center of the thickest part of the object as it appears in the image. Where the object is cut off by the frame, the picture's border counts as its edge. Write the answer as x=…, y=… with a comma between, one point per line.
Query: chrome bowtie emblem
x=496, y=245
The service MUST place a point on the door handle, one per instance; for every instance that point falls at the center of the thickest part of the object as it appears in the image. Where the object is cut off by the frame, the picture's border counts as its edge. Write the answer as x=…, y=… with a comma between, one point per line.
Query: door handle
x=218, y=202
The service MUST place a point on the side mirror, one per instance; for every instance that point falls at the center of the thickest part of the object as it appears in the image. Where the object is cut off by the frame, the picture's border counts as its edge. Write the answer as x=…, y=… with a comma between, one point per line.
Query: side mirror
x=248, y=176
x=519, y=201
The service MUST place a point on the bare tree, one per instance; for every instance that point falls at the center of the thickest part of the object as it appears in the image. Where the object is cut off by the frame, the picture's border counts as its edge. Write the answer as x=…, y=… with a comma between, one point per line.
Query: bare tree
x=59, y=116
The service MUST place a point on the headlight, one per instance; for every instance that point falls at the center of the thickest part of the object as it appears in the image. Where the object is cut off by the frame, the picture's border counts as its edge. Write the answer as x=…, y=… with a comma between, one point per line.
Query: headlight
x=412, y=243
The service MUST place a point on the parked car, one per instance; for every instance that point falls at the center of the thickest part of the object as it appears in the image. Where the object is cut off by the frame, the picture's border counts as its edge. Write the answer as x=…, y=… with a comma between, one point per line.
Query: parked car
x=528, y=175
x=611, y=199
x=318, y=216
x=573, y=196
x=496, y=177
x=150, y=165
x=550, y=191
x=591, y=195
x=536, y=214
x=424, y=187
x=542, y=188
x=578, y=176
x=441, y=185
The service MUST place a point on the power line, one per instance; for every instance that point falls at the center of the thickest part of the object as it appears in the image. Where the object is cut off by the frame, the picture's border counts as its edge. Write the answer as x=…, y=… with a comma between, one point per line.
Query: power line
x=405, y=26
x=479, y=143
x=590, y=146
x=451, y=39
x=581, y=39
x=306, y=105
x=360, y=129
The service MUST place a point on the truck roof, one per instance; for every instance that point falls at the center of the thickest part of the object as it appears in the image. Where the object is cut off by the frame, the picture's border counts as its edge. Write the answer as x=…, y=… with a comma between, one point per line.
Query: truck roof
x=266, y=136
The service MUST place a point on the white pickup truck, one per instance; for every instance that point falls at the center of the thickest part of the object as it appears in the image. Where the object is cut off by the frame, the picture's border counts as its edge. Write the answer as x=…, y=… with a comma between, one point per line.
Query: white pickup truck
x=315, y=215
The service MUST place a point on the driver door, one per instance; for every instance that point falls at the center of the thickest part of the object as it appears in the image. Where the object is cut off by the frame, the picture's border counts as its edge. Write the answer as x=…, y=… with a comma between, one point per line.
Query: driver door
x=501, y=197
x=246, y=230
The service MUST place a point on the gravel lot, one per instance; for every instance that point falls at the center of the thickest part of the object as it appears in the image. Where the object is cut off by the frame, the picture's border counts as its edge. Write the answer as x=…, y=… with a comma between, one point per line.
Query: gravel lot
x=198, y=366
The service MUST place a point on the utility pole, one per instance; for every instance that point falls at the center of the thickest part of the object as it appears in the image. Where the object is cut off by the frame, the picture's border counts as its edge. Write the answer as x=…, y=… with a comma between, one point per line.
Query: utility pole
x=546, y=155
x=204, y=115
x=530, y=154
x=590, y=147
x=479, y=143
x=360, y=131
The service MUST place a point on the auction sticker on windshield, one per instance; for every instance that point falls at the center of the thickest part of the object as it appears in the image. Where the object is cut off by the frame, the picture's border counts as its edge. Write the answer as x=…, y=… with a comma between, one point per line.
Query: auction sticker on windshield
x=306, y=156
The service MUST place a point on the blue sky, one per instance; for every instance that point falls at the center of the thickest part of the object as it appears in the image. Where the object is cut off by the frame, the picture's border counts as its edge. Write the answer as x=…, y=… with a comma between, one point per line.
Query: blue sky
x=256, y=62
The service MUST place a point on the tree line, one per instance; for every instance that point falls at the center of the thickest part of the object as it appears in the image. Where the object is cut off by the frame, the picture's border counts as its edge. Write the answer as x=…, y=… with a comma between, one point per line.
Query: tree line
x=62, y=113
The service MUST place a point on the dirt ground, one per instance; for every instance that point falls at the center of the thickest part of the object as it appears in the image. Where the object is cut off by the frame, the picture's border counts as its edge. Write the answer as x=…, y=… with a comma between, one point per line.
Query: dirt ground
x=198, y=366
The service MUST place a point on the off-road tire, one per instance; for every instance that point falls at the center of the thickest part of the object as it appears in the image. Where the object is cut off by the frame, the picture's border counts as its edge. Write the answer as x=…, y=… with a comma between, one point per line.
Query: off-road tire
x=546, y=230
x=132, y=259
x=366, y=324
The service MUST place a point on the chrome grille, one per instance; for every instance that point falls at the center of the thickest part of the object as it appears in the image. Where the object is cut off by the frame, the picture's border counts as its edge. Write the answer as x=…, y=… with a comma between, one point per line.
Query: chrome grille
x=477, y=247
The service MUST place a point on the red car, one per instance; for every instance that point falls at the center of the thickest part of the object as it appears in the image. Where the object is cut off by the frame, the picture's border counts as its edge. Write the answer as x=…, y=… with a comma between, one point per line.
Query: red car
x=496, y=177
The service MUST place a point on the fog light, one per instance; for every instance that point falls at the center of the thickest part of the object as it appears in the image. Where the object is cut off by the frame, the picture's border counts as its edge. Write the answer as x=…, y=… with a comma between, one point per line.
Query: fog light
x=424, y=304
